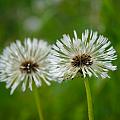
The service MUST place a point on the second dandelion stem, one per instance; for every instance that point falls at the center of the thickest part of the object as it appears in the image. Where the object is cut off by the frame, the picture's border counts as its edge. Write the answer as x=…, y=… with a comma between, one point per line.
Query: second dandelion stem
x=89, y=100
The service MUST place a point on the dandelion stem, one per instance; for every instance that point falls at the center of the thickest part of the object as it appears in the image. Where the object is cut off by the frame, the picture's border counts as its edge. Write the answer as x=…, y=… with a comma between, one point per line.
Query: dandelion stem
x=37, y=100
x=89, y=100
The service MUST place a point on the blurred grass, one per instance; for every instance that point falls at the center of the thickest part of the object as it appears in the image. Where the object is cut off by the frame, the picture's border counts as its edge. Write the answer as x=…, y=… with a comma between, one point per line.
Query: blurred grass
x=49, y=19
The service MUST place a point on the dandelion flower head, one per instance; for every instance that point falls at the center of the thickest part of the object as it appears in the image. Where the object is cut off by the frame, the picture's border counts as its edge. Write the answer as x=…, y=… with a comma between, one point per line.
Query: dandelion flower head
x=90, y=55
x=25, y=63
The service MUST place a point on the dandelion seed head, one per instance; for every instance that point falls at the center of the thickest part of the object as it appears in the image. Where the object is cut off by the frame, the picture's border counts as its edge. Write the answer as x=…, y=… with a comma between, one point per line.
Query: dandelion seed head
x=24, y=64
x=90, y=55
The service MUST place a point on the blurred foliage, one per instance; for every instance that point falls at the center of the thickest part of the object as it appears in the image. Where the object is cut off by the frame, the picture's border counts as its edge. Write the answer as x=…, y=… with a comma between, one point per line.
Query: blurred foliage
x=49, y=20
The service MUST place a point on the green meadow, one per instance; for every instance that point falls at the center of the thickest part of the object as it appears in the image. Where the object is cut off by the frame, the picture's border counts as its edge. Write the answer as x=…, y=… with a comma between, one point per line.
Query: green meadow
x=49, y=20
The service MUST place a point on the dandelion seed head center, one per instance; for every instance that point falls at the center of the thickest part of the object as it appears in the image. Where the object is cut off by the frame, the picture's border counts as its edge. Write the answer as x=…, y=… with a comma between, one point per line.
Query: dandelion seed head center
x=28, y=67
x=82, y=60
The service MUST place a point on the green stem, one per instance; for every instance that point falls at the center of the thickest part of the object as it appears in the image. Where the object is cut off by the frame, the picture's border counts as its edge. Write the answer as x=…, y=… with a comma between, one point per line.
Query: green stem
x=37, y=100
x=89, y=100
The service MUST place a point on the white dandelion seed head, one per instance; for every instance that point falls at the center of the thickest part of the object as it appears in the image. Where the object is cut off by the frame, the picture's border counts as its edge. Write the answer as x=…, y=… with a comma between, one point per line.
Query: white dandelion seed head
x=25, y=63
x=90, y=55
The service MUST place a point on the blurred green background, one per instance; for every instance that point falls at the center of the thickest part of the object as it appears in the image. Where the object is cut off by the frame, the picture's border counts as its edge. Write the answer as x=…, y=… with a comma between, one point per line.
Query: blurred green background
x=49, y=19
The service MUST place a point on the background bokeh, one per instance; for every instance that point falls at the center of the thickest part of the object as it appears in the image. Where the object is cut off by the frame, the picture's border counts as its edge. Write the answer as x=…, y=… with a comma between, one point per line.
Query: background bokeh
x=49, y=20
